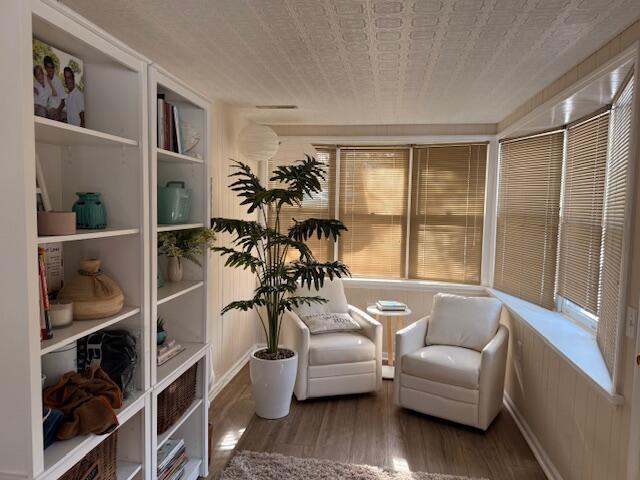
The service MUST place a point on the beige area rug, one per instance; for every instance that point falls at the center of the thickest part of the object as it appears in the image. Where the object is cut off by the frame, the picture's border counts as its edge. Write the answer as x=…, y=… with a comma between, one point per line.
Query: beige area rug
x=272, y=466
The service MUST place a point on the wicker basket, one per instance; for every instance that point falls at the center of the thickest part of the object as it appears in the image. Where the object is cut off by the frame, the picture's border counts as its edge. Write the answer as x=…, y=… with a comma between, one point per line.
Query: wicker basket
x=101, y=459
x=174, y=400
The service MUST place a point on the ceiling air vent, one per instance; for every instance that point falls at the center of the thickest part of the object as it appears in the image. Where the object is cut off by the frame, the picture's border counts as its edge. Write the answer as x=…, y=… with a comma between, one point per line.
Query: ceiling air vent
x=276, y=107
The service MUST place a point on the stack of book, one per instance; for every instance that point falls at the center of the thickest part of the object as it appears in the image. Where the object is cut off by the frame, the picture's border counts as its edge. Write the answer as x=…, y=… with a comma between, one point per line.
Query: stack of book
x=168, y=350
x=170, y=136
x=390, y=306
x=172, y=458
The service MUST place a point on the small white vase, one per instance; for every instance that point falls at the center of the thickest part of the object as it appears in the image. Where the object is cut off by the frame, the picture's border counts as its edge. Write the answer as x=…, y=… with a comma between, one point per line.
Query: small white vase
x=273, y=382
x=174, y=269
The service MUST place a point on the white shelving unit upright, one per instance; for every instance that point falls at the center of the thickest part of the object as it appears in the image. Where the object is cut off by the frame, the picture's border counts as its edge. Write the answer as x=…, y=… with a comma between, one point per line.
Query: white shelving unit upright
x=109, y=156
x=183, y=305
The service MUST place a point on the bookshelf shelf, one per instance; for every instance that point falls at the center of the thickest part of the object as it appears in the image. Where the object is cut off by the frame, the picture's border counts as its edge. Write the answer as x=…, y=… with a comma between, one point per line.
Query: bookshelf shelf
x=64, y=454
x=164, y=436
x=88, y=235
x=63, y=134
x=179, y=226
x=79, y=329
x=177, y=289
x=127, y=470
x=168, y=156
x=191, y=469
x=172, y=369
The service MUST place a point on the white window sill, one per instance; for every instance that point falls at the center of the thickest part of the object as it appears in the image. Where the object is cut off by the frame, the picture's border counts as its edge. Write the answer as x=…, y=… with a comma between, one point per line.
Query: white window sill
x=573, y=342
x=406, y=284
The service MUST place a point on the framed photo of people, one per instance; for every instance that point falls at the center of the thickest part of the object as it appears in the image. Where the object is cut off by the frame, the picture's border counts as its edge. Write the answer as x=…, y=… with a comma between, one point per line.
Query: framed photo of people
x=58, y=85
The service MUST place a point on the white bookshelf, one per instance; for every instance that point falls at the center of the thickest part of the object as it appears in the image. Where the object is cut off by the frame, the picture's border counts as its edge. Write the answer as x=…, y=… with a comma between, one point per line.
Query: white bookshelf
x=183, y=305
x=117, y=156
x=110, y=156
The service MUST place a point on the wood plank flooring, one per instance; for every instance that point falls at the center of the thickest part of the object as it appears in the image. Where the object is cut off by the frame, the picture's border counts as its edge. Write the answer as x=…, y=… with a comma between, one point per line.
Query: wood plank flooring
x=368, y=429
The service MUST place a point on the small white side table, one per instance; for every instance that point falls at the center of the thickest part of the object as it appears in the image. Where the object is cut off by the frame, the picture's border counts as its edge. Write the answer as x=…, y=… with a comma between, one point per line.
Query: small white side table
x=390, y=320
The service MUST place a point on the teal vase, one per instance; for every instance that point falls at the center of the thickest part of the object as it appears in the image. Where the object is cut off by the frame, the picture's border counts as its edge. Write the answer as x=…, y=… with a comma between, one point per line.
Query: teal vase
x=90, y=211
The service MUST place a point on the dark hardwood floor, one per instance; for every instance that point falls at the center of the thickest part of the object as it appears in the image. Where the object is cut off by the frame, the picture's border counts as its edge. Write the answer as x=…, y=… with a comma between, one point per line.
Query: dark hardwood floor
x=368, y=429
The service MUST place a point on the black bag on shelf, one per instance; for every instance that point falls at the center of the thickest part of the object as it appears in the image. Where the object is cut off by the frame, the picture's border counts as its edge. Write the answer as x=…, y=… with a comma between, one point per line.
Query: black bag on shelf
x=114, y=351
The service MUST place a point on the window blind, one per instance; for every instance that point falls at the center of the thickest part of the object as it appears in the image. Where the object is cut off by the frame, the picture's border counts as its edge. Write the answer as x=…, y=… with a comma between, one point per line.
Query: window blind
x=527, y=217
x=612, y=286
x=581, y=217
x=447, y=213
x=320, y=205
x=373, y=206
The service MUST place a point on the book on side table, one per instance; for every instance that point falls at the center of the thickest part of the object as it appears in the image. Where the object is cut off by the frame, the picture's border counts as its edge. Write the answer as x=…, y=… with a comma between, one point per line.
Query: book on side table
x=390, y=306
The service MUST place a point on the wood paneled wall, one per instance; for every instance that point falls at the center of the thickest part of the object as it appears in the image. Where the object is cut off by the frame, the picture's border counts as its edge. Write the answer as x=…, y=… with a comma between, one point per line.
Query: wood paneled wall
x=234, y=333
x=581, y=432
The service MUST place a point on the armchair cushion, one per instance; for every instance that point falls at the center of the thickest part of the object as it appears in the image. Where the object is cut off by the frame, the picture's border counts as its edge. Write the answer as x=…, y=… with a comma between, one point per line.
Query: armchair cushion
x=330, y=322
x=444, y=364
x=343, y=347
x=332, y=290
x=469, y=322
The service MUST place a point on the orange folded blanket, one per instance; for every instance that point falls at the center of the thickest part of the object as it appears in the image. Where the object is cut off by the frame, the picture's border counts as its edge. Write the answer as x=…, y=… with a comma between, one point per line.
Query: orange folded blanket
x=87, y=401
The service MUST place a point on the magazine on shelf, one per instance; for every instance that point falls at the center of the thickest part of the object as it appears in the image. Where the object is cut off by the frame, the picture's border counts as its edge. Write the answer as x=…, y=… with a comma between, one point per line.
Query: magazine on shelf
x=175, y=468
x=167, y=353
x=168, y=452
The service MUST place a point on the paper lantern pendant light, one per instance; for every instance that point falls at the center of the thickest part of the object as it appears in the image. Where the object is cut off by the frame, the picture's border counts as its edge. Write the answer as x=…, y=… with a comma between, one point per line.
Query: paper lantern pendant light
x=257, y=143
x=292, y=150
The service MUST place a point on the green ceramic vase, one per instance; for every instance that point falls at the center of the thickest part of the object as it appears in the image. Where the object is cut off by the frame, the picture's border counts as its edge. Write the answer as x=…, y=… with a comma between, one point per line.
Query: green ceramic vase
x=90, y=211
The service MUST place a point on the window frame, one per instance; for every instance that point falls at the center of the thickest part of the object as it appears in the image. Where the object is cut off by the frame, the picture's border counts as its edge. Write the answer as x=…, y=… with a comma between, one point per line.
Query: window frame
x=488, y=237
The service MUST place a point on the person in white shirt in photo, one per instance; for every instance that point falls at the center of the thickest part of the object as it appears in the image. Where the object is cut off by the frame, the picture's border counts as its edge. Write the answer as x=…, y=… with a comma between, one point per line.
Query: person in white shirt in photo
x=41, y=92
x=55, y=108
x=74, y=103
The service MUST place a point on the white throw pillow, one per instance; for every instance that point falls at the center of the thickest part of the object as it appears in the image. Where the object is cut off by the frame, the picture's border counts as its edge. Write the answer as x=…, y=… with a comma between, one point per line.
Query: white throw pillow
x=330, y=322
x=331, y=290
x=469, y=322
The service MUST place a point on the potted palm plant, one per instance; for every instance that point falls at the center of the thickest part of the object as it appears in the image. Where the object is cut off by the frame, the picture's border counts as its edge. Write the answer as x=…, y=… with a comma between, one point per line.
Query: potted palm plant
x=262, y=247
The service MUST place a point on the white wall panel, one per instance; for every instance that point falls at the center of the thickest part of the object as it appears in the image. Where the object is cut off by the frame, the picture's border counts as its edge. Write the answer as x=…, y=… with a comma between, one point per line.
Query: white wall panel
x=235, y=332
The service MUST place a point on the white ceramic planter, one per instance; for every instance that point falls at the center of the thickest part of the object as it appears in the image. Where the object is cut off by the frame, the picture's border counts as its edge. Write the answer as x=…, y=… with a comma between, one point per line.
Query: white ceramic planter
x=273, y=382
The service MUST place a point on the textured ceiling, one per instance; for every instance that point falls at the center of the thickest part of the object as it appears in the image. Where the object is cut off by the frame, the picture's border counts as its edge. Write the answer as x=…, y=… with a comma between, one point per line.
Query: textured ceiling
x=366, y=62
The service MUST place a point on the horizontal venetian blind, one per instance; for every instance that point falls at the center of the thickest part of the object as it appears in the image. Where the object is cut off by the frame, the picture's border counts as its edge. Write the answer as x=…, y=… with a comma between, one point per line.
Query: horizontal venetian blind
x=320, y=205
x=373, y=206
x=612, y=288
x=447, y=213
x=527, y=217
x=581, y=218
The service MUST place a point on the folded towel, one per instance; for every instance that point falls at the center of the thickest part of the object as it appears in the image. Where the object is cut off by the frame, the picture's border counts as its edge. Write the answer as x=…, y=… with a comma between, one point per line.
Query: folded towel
x=87, y=402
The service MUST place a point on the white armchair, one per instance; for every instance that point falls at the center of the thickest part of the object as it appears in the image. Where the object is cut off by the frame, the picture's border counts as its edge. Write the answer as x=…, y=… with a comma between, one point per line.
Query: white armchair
x=452, y=363
x=337, y=363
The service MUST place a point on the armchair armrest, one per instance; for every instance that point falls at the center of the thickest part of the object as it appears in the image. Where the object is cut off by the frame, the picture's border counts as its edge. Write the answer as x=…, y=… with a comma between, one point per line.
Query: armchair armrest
x=294, y=334
x=373, y=330
x=409, y=339
x=371, y=327
x=493, y=362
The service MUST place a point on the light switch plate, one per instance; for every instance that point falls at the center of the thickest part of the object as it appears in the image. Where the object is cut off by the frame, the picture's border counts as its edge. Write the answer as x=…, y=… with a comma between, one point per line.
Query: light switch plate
x=631, y=321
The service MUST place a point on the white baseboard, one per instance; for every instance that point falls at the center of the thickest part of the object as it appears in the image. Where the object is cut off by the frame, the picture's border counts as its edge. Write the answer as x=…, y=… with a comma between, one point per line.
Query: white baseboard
x=222, y=382
x=543, y=459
